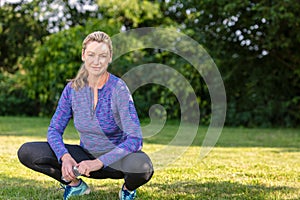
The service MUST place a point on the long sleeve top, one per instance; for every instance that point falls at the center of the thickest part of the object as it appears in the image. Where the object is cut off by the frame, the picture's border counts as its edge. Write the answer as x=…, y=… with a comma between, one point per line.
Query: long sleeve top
x=109, y=132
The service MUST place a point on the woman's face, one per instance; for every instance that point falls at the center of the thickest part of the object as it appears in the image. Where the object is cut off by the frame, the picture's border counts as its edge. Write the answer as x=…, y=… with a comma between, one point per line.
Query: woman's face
x=96, y=57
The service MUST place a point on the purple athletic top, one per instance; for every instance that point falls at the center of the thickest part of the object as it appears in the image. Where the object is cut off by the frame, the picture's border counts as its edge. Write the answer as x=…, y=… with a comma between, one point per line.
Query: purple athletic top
x=109, y=132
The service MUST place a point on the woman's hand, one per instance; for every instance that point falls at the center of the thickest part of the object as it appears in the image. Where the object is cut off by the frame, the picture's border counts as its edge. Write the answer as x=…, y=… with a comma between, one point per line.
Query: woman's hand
x=67, y=167
x=87, y=166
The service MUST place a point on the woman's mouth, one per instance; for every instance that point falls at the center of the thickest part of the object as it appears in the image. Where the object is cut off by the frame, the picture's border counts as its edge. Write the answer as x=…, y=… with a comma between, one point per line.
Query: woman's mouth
x=96, y=68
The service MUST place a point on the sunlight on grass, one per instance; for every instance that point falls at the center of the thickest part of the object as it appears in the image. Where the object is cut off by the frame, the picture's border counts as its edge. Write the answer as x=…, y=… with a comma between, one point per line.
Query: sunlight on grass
x=239, y=167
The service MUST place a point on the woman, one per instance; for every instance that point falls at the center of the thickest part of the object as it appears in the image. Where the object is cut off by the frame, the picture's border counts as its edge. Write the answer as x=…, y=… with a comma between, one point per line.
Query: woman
x=110, y=134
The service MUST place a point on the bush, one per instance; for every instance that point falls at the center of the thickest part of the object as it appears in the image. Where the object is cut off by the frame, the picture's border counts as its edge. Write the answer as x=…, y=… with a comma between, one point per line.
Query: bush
x=13, y=98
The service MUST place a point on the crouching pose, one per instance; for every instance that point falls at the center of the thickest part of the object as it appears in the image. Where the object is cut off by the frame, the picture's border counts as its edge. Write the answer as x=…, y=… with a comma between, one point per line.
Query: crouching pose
x=110, y=134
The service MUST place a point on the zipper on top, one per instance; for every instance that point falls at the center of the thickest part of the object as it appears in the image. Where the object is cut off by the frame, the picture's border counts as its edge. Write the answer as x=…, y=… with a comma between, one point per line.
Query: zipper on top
x=93, y=109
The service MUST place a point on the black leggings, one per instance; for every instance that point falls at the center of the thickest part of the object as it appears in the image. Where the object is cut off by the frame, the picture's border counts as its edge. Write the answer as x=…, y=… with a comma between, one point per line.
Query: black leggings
x=135, y=168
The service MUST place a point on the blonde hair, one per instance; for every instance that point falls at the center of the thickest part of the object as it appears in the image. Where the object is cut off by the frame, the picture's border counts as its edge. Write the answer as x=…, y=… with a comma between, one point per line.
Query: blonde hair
x=81, y=78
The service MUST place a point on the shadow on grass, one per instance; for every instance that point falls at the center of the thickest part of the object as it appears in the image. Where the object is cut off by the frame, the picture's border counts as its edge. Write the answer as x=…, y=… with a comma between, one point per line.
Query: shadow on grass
x=29, y=189
x=220, y=190
x=19, y=188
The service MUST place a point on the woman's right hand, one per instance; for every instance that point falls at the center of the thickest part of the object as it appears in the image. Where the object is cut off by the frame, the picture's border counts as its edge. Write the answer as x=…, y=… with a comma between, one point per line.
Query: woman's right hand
x=67, y=167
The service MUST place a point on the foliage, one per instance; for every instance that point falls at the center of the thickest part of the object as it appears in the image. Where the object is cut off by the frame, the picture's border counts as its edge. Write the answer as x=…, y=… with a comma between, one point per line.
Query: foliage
x=19, y=30
x=27, y=22
x=63, y=14
x=255, y=45
x=13, y=97
x=131, y=13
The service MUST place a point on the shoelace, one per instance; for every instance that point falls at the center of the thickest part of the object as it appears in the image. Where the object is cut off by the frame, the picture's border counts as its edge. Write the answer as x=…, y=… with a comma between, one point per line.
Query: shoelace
x=125, y=194
x=62, y=187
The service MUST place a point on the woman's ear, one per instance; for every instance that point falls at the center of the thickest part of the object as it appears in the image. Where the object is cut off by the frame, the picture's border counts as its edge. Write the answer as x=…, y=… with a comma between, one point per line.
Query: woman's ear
x=82, y=55
x=110, y=59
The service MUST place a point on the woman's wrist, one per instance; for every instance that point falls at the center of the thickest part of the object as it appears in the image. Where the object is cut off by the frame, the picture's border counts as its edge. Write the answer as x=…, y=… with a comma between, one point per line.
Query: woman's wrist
x=99, y=163
x=65, y=156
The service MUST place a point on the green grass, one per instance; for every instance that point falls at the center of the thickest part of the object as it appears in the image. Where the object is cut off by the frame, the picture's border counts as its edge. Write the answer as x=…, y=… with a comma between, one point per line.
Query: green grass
x=245, y=164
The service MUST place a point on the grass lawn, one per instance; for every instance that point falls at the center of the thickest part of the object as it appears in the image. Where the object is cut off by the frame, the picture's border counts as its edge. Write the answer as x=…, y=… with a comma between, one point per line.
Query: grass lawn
x=245, y=164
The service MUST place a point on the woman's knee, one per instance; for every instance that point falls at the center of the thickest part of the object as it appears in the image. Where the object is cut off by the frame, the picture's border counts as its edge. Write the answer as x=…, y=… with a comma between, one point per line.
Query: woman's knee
x=24, y=153
x=31, y=151
x=138, y=163
x=138, y=170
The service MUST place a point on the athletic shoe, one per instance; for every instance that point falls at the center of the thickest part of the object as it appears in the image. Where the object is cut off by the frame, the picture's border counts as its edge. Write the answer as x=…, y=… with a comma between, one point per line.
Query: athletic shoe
x=81, y=189
x=126, y=195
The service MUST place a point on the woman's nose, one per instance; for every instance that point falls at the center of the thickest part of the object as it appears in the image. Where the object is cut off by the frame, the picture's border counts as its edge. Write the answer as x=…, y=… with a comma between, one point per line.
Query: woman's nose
x=96, y=60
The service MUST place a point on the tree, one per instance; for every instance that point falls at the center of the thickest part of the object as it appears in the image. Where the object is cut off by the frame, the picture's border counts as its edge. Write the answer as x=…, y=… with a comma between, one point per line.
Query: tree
x=27, y=22
x=131, y=13
x=255, y=44
x=23, y=28
x=19, y=30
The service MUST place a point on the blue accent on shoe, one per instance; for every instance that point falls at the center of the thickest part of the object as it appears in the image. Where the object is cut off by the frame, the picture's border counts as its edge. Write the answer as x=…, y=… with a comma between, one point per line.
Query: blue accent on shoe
x=81, y=189
x=126, y=195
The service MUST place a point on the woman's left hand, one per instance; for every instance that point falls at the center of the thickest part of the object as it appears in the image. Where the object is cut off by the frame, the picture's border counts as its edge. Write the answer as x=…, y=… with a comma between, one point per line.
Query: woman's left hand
x=87, y=166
